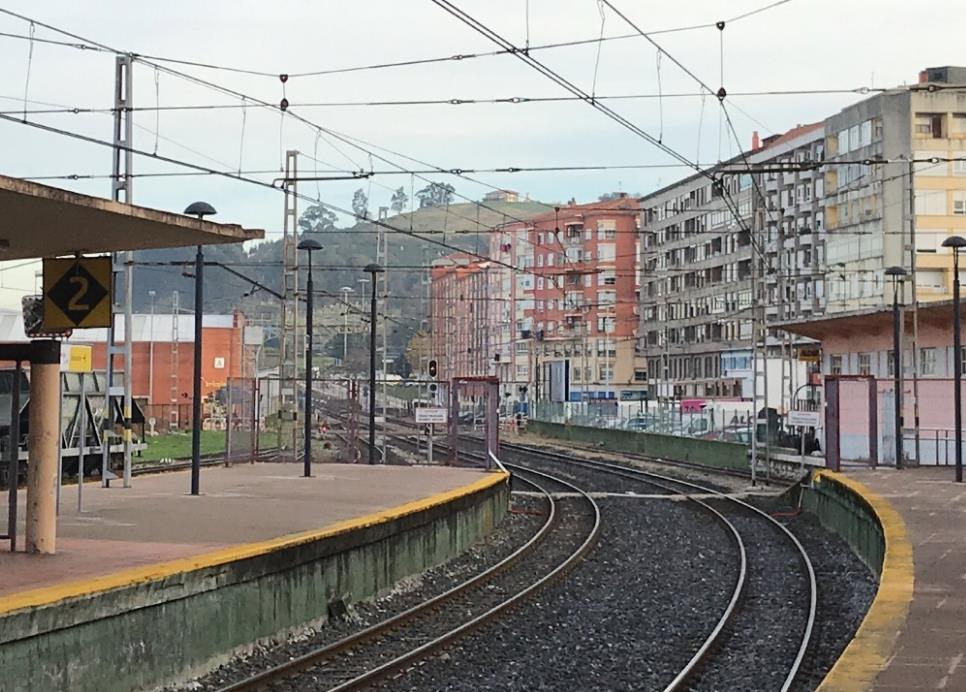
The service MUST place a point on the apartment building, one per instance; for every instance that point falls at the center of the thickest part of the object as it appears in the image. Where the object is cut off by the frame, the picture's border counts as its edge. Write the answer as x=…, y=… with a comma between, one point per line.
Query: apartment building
x=460, y=287
x=580, y=331
x=511, y=301
x=868, y=215
x=790, y=215
x=696, y=258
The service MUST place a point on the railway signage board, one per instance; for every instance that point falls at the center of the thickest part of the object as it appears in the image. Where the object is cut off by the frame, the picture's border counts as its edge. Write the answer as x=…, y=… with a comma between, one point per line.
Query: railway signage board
x=77, y=293
x=808, y=419
x=431, y=415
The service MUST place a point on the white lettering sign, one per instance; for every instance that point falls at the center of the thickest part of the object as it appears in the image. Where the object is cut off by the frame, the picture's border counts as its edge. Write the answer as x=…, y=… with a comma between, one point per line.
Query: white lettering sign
x=810, y=419
x=431, y=415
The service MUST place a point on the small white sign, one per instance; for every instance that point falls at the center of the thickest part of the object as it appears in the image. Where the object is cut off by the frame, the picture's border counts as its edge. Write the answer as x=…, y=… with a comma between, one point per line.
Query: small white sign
x=810, y=419
x=431, y=415
x=219, y=363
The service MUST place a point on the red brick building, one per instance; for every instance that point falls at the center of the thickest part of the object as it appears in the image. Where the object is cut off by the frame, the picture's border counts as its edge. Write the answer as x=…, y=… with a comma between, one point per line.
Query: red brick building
x=584, y=312
x=459, y=317
x=162, y=382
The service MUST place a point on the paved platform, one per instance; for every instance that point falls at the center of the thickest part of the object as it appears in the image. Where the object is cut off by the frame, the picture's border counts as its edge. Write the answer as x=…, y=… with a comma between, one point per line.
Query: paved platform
x=930, y=649
x=156, y=520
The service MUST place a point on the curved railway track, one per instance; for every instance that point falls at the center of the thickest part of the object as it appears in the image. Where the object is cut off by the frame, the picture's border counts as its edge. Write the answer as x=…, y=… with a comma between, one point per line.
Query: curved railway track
x=753, y=598
x=361, y=659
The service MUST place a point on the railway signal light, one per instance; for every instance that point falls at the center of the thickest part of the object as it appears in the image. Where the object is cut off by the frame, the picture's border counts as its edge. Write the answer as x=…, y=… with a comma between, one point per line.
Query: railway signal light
x=433, y=368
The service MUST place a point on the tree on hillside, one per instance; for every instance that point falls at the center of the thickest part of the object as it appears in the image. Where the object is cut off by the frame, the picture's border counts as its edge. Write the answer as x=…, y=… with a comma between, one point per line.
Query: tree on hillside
x=435, y=195
x=360, y=204
x=400, y=200
x=316, y=219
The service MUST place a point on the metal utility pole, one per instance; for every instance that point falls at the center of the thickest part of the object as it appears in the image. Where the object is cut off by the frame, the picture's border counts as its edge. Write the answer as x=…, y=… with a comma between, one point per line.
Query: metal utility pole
x=346, y=290
x=372, y=270
x=151, y=295
x=121, y=191
x=915, y=306
x=383, y=261
x=290, y=269
x=898, y=275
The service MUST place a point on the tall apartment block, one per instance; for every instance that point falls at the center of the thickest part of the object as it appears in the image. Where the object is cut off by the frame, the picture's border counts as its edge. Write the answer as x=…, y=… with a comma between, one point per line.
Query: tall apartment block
x=868, y=215
x=460, y=303
x=696, y=261
x=563, y=326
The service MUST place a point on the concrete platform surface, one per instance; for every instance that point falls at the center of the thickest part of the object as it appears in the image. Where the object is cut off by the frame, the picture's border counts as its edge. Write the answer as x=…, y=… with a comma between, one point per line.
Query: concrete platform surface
x=156, y=520
x=929, y=653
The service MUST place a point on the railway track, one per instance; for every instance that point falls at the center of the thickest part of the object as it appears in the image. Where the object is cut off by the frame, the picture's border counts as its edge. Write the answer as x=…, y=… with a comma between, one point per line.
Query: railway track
x=766, y=551
x=571, y=526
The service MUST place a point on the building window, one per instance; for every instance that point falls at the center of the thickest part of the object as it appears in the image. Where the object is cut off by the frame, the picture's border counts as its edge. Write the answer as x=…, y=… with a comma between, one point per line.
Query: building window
x=959, y=166
x=576, y=375
x=640, y=375
x=606, y=373
x=835, y=365
x=957, y=126
x=927, y=361
x=891, y=364
x=959, y=203
x=929, y=125
x=931, y=203
x=865, y=363
x=606, y=253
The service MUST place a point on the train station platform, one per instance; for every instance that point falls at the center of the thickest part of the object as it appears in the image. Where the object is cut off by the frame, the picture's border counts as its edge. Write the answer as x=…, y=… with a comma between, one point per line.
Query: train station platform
x=928, y=624
x=179, y=581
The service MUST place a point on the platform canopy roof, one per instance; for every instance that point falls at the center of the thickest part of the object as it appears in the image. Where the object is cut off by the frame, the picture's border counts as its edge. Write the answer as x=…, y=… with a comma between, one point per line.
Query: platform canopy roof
x=41, y=221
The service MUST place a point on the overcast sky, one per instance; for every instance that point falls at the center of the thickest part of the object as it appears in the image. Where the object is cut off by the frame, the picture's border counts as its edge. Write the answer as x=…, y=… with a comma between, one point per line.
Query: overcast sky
x=799, y=45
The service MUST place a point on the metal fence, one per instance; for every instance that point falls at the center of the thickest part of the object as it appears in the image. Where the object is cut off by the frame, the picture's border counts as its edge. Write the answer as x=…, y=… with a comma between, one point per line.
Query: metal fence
x=734, y=423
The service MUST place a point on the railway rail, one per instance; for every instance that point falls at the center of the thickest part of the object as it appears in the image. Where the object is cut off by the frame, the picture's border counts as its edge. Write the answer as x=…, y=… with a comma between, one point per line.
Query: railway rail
x=361, y=659
x=761, y=553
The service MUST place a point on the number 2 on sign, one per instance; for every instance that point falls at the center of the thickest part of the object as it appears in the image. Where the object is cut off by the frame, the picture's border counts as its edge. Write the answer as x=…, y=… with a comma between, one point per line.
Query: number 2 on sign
x=82, y=285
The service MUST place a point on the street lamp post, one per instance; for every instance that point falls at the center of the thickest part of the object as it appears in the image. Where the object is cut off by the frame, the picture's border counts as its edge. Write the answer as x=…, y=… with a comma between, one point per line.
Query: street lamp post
x=372, y=270
x=201, y=210
x=309, y=245
x=898, y=275
x=956, y=243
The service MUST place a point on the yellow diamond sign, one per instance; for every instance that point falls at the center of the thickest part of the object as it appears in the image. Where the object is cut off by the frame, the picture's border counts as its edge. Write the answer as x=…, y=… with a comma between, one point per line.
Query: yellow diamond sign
x=77, y=293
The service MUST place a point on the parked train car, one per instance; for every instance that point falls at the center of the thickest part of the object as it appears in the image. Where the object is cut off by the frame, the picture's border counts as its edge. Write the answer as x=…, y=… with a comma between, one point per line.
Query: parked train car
x=71, y=402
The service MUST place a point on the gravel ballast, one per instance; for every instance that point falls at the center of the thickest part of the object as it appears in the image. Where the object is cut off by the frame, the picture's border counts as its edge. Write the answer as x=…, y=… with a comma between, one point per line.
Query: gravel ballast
x=627, y=618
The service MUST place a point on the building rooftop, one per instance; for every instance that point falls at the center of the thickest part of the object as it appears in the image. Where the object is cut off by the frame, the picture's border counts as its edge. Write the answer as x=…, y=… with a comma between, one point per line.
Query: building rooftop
x=868, y=320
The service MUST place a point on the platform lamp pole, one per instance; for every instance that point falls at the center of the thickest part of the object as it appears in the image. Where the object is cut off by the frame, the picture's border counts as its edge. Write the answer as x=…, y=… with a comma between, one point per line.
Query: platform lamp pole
x=201, y=210
x=309, y=245
x=372, y=270
x=957, y=243
x=898, y=275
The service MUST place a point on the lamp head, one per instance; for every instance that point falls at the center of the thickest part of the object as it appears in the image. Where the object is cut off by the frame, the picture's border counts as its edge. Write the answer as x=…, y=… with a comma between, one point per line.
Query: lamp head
x=200, y=209
x=897, y=273
x=955, y=242
x=309, y=244
x=373, y=268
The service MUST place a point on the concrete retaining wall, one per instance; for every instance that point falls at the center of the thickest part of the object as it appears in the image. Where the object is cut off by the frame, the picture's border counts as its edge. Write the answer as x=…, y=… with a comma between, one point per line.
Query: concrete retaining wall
x=157, y=631
x=877, y=533
x=712, y=453
x=843, y=510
